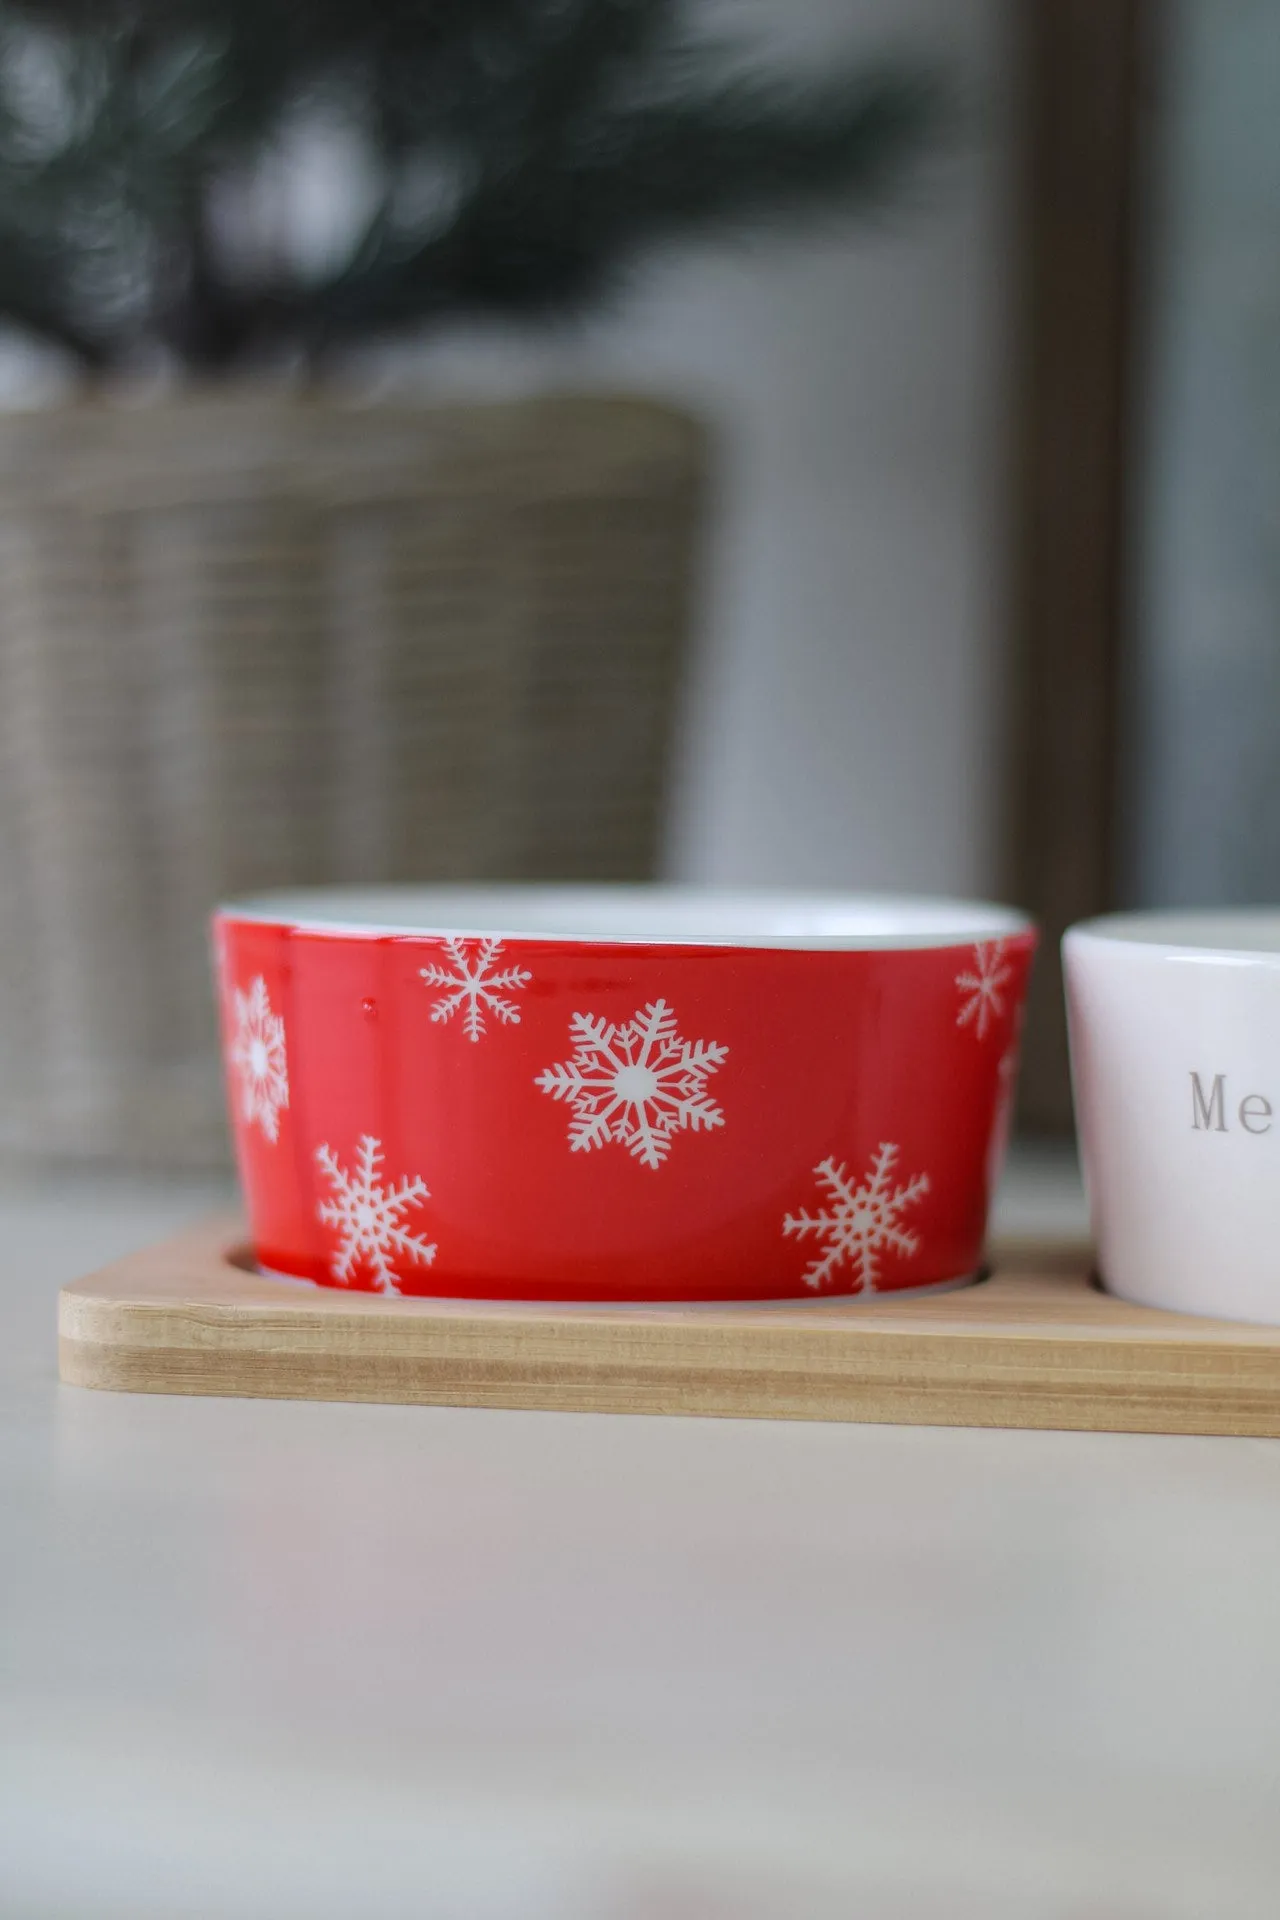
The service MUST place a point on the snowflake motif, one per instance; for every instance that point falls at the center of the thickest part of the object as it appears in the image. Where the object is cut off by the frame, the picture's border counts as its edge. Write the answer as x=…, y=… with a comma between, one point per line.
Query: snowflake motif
x=369, y=1217
x=637, y=1084
x=983, y=988
x=474, y=986
x=259, y=1058
x=862, y=1222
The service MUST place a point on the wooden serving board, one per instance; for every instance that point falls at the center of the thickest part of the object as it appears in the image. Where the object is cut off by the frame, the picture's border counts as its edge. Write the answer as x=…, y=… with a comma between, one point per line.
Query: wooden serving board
x=1036, y=1345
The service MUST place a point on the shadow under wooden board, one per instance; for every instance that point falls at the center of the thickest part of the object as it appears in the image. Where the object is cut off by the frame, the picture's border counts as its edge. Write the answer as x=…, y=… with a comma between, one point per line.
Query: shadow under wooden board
x=1035, y=1345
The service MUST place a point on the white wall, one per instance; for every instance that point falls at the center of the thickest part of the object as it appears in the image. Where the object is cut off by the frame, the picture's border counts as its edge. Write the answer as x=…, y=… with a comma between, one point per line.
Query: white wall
x=844, y=723
x=1203, y=765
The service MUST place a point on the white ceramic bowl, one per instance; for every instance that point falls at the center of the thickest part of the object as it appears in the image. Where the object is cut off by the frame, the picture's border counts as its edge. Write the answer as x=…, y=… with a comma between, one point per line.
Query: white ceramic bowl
x=1175, y=1047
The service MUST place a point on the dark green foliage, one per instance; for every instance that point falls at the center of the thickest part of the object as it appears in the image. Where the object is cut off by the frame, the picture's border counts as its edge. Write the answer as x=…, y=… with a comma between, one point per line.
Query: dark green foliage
x=518, y=155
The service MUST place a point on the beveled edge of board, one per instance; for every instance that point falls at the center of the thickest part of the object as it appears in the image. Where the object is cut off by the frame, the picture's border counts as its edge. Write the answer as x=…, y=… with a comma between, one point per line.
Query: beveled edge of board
x=1035, y=1345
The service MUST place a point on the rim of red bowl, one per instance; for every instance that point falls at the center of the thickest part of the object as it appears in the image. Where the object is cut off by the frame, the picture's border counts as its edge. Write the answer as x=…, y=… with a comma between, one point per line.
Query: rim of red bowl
x=639, y=914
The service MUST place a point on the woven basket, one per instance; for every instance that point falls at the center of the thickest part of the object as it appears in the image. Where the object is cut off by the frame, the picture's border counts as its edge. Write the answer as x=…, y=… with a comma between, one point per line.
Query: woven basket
x=246, y=644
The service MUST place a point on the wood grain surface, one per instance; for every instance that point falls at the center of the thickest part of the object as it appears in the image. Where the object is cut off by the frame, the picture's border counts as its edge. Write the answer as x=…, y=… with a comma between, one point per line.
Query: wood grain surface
x=1035, y=1345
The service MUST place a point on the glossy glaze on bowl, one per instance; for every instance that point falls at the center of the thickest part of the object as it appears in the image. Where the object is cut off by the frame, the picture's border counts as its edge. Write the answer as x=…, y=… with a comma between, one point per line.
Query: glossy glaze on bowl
x=1175, y=1053
x=619, y=1093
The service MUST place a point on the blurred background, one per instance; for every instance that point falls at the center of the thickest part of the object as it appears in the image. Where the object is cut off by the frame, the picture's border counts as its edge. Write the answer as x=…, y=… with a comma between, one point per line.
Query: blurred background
x=813, y=441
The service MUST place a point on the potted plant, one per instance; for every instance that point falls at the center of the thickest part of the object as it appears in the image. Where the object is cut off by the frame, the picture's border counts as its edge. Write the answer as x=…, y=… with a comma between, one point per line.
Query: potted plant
x=252, y=633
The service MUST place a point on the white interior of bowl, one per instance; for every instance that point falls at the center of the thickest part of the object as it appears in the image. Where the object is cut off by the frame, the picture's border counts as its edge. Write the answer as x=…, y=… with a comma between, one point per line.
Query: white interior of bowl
x=1243, y=931
x=692, y=916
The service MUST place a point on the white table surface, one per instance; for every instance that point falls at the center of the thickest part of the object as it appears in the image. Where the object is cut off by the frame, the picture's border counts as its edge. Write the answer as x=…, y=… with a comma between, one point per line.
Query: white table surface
x=292, y=1660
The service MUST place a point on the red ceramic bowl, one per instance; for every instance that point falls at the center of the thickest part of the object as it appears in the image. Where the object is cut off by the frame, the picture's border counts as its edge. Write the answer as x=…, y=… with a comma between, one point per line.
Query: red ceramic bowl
x=615, y=1093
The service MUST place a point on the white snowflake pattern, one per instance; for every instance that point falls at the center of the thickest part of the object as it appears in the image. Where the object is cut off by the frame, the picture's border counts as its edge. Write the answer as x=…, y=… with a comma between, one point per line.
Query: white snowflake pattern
x=369, y=1217
x=637, y=1084
x=862, y=1222
x=982, y=989
x=475, y=986
x=259, y=1058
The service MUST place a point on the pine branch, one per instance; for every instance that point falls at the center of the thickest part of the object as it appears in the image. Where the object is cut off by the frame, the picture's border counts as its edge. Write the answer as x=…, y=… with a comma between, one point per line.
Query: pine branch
x=530, y=152
x=547, y=236
x=30, y=303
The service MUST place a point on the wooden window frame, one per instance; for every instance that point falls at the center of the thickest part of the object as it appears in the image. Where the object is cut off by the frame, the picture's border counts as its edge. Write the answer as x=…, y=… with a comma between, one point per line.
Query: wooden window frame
x=1083, y=78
